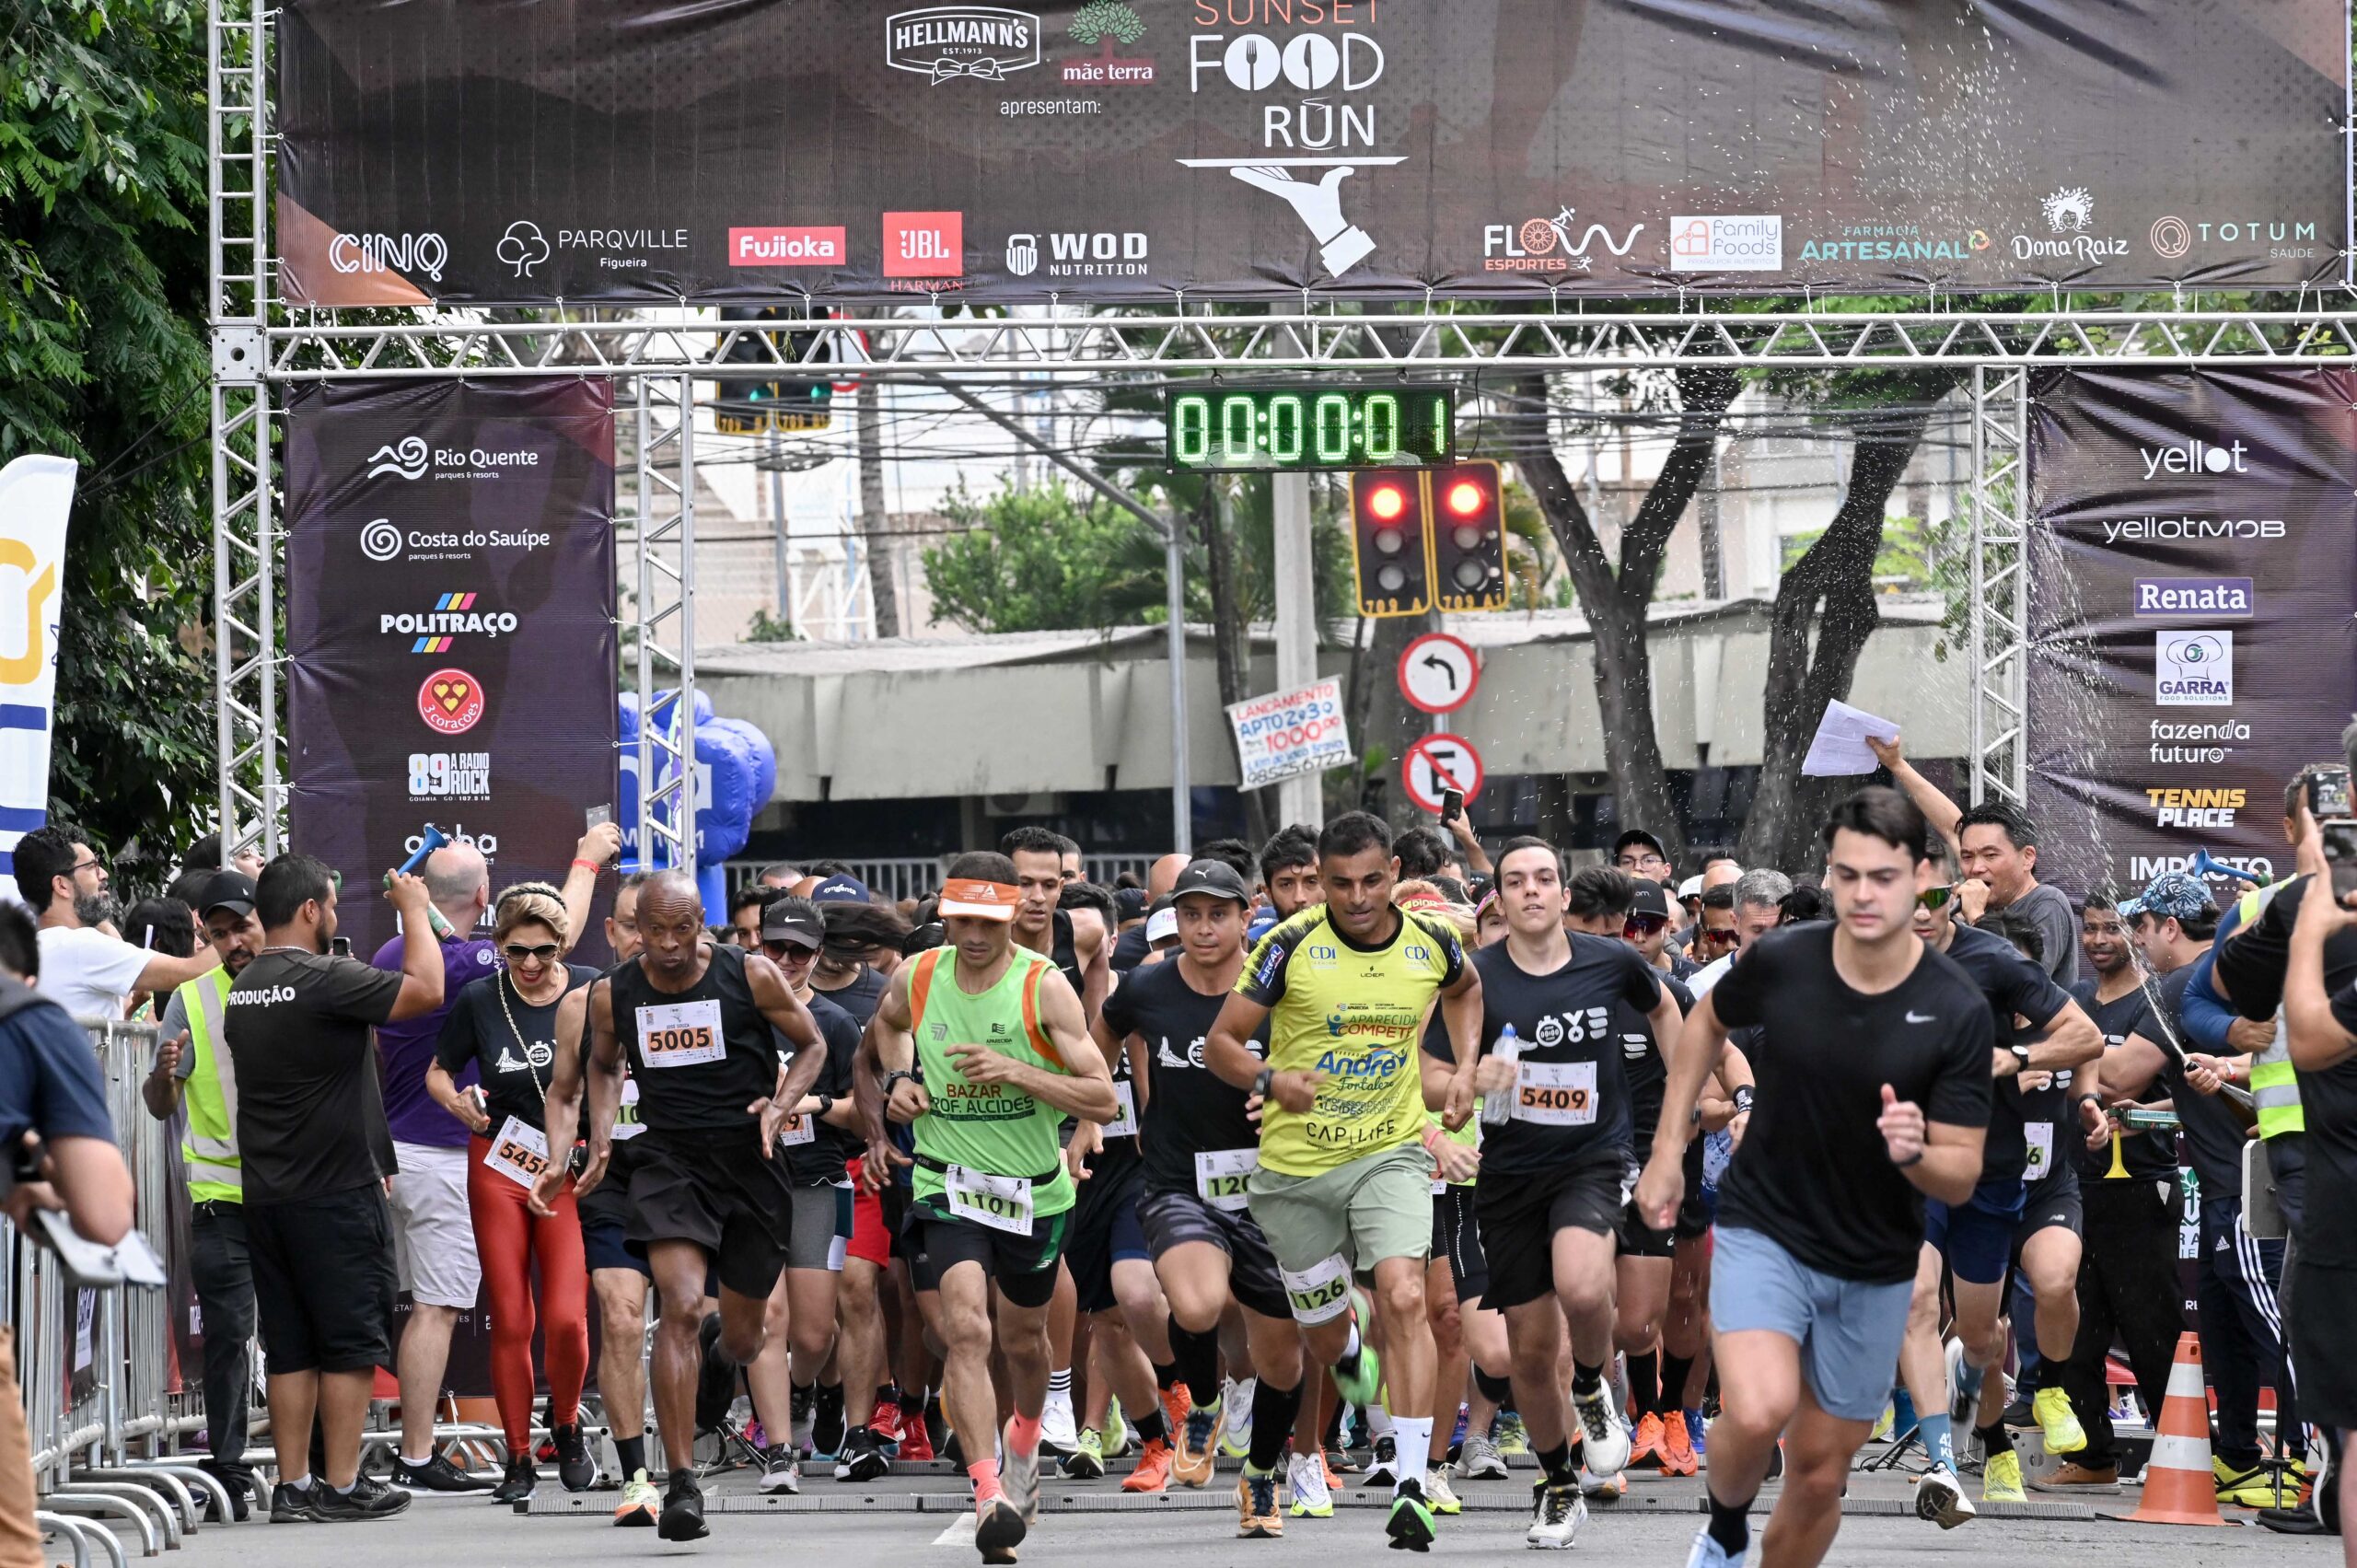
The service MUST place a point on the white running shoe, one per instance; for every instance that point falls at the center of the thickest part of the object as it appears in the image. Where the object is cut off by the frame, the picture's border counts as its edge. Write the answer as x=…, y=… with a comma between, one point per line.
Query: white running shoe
x=1604, y=1442
x=781, y=1471
x=1479, y=1460
x=1019, y=1479
x=1556, y=1514
x=1235, y=1427
x=1939, y=1498
x=1057, y=1430
x=1708, y=1553
x=1306, y=1486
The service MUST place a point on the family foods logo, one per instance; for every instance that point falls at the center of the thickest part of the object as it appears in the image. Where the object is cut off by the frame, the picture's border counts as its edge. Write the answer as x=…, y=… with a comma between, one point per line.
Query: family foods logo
x=1727, y=242
x=450, y=702
x=944, y=42
x=2194, y=669
x=1545, y=245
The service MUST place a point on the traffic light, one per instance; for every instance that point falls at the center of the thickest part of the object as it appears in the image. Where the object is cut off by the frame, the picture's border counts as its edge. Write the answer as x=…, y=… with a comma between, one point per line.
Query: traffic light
x=1469, y=538
x=786, y=404
x=1389, y=542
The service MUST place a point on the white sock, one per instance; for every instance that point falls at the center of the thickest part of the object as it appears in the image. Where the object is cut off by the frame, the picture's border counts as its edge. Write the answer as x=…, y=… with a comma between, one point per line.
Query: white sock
x=300, y=1483
x=1060, y=1384
x=1413, y=1435
x=1351, y=1349
x=1379, y=1423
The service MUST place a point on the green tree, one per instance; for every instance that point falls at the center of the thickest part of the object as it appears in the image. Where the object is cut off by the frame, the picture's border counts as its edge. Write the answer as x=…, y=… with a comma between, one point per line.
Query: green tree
x=1106, y=18
x=103, y=360
x=1035, y=560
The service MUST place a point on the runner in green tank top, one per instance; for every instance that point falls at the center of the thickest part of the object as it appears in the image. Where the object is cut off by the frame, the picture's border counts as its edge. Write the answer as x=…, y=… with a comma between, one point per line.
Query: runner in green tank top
x=985, y=1051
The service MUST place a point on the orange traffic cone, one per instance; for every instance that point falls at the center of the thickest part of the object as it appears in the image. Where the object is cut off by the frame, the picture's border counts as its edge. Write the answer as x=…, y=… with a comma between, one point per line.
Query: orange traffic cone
x=2179, y=1486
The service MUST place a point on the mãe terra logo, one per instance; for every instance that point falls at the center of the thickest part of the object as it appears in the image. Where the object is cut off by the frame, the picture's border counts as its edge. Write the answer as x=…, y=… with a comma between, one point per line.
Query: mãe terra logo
x=1105, y=23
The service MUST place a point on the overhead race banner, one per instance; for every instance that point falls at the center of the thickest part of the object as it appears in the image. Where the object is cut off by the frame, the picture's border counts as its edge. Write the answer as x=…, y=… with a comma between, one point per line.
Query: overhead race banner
x=449, y=625
x=1287, y=734
x=2192, y=580
x=36, y=498
x=579, y=150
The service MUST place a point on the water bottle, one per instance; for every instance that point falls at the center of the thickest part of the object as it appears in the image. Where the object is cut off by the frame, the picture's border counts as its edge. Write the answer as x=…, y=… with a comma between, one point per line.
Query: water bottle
x=1497, y=1108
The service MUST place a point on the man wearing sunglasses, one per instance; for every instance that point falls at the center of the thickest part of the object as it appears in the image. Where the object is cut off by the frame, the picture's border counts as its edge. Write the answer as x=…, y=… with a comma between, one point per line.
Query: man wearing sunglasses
x=1756, y=906
x=85, y=970
x=1647, y=929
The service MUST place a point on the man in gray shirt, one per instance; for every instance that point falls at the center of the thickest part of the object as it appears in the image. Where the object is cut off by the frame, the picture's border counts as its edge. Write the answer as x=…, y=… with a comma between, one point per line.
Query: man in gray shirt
x=1997, y=844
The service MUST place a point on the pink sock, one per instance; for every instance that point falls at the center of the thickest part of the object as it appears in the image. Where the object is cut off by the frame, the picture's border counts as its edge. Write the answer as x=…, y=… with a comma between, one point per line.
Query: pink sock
x=1022, y=1434
x=985, y=1475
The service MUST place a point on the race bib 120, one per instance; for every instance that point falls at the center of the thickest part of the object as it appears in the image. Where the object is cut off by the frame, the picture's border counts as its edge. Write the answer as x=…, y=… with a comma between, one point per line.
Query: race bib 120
x=1221, y=1176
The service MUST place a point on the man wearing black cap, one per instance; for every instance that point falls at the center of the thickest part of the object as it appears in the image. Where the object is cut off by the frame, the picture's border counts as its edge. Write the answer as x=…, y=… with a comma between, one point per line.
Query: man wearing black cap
x=1641, y=855
x=1647, y=930
x=190, y=1065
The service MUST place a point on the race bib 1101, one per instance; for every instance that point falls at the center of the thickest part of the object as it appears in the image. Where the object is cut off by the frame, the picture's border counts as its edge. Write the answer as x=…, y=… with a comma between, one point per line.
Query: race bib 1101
x=1002, y=1202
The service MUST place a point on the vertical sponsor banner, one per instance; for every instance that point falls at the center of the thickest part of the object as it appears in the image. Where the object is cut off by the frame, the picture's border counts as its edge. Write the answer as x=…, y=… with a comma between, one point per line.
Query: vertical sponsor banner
x=449, y=625
x=2193, y=573
x=36, y=496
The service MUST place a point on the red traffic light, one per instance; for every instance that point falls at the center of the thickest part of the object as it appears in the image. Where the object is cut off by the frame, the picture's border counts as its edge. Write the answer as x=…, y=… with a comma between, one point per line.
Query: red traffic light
x=1465, y=497
x=1386, y=502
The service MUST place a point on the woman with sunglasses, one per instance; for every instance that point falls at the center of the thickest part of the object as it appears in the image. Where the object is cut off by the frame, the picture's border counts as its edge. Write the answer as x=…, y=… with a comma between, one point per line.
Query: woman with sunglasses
x=505, y=1024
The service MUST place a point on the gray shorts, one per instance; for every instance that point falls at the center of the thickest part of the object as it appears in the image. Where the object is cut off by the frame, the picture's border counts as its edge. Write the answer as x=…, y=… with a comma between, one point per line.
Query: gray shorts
x=434, y=1232
x=1849, y=1332
x=821, y=1229
x=1324, y=1227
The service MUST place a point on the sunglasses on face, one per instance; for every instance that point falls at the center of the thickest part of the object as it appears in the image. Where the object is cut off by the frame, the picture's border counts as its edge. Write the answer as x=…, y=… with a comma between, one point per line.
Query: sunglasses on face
x=1714, y=937
x=1935, y=897
x=516, y=953
x=1642, y=924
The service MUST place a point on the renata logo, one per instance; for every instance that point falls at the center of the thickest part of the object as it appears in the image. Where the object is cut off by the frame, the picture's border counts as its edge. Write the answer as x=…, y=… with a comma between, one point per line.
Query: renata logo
x=788, y=247
x=450, y=701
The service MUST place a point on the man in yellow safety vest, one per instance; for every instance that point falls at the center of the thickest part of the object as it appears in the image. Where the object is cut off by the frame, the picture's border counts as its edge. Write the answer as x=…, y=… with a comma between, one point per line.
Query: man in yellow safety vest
x=192, y=1072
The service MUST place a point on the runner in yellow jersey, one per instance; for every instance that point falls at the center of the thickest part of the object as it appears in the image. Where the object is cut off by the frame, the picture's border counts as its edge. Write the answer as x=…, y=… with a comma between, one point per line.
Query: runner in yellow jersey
x=1345, y=1172
x=985, y=1052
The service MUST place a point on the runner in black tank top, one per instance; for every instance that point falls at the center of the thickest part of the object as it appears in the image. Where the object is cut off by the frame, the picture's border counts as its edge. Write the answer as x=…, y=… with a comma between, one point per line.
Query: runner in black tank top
x=710, y=1195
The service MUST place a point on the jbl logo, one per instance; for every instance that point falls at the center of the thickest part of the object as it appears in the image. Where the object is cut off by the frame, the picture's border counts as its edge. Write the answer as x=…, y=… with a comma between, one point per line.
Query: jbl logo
x=924, y=244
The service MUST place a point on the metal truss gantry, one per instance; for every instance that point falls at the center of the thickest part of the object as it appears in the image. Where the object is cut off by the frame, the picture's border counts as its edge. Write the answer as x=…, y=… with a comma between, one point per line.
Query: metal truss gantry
x=659, y=353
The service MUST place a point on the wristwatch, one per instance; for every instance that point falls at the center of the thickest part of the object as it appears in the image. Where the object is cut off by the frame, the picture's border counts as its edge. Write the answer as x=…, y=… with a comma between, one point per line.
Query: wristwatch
x=893, y=1078
x=1742, y=1099
x=826, y=1104
x=1261, y=1085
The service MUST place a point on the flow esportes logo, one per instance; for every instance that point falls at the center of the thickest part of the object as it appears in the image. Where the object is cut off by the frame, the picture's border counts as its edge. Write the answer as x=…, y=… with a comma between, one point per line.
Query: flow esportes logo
x=407, y=458
x=523, y=247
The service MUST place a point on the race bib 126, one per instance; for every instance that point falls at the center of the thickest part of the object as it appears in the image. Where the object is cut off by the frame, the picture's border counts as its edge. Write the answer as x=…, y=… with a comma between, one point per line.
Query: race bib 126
x=1318, y=1294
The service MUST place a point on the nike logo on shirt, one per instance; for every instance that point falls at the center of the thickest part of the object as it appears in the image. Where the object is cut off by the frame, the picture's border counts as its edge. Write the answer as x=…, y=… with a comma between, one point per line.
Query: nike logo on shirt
x=1923, y=1018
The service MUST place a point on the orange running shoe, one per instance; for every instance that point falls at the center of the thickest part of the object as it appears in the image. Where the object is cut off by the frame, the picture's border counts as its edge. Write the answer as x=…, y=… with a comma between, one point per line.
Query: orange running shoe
x=1676, y=1447
x=1644, y=1445
x=1153, y=1473
x=1176, y=1402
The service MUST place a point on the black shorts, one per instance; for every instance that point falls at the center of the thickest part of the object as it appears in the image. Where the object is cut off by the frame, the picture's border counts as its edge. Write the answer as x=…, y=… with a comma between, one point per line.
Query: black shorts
x=608, y=1202
x=324, y=1281
x=1693, y=1210
x=714, y=1189
x=2323, y=1300
x=1104, y=1231
x=1518, y=1216
x=1457, y=1238
x=1175, y=1217
x=1023, y=1267
x=2053, y=1203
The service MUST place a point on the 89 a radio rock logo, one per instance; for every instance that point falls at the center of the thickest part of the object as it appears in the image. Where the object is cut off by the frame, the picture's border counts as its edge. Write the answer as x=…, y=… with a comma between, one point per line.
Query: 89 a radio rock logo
x=450, y=702
x=449, y=775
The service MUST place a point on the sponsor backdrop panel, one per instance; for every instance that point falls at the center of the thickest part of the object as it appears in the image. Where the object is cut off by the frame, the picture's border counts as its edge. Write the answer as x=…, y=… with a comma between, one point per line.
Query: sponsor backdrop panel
x=1101, y=149
x=449, y=625
x=2193, y=574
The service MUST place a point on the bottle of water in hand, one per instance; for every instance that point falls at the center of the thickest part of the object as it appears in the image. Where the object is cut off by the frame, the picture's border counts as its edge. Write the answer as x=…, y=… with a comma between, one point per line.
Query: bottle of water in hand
x=1497, y=1108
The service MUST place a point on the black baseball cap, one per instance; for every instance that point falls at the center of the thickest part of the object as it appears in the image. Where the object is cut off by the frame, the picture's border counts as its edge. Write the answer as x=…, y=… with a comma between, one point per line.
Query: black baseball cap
x=1130, y=902
x=1650, y=899
x=1216, y=877
x=227, y=890
x=781, y=924
x=1638, y=836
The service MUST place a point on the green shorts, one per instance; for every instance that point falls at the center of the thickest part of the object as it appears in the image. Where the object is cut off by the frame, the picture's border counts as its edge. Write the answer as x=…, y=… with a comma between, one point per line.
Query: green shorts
x=1377, y=1207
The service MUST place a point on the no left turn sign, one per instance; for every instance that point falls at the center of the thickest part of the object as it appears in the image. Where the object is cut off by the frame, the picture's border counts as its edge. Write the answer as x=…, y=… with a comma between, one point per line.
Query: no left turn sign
x=1441, y=762
x=1438, y=673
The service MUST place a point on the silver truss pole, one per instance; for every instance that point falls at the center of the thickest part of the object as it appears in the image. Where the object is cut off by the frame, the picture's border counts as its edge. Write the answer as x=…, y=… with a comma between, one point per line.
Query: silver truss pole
x=1998, y=618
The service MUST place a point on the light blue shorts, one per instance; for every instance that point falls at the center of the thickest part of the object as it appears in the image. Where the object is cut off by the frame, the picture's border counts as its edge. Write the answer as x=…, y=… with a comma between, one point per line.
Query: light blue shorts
x=1848, y=1334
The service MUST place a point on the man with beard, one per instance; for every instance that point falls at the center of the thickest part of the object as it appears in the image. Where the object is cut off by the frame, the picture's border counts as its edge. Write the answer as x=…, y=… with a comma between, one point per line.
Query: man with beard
x=192, y=1067
x=84, y=970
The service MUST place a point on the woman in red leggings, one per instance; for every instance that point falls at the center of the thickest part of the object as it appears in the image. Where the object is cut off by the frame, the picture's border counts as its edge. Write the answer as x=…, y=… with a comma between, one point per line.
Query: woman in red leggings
x=505, y=1025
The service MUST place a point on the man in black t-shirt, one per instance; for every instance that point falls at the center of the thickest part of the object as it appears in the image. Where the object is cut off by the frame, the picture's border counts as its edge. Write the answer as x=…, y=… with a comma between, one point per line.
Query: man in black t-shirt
x=1873, y=1091
x=316, y=1149
x=1555, y=1171
x=2127, y=1284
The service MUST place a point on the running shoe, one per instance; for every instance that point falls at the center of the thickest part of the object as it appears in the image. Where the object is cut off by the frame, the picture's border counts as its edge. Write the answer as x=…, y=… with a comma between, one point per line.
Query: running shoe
x=2000, y=1478
x=1604, y=1488
x=1479, y=1460
x=1192, y=1465
x=916, y=1444
x=1310, y=1488
x=1939, y=1498
x=2277, y=1487
x=641, y=1503
x=716, y=1383
x=1556, y=1514
x=1707, y=1552
x=368, y=1499
x=1153, y=1471
x=517, y=1484
x=1438, y=1496
x=1604, y=1442
x=1057, y=1429
x=576, y=1468
x=437, y=1474
x=1411, y=1522
x=2070, y=1475
x=2057, y=1422
x=1695, y=1434
x=1513, y=1438
x=999, y=1528
x=1235, y=1422
x=804, y=1416
x=1177, y=1400
x=1019, y=1474
x=1644, y=1445
x=780, y=1470
x=862, y=1457
x=1256, y=1506
x=886, y=1421
x=1963, y=1386
x=296, y=1504
x=683, y=1510
x=2022, y=1413
x=1676, y=1447
x=1118, y=1430
x=1383, y=1469
x=2232, y=1478
x=2297, y=1521
x=824, y=1438
x=1359, y=1387
x=1086, y=1460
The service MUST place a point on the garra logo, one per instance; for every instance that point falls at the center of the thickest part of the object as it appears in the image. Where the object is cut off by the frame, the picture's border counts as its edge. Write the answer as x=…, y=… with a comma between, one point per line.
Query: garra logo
x=944, y=42
x=2194, y=669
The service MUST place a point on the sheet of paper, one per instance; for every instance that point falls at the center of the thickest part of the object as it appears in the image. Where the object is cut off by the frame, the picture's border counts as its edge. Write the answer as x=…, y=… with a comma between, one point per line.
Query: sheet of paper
x=1839, y=746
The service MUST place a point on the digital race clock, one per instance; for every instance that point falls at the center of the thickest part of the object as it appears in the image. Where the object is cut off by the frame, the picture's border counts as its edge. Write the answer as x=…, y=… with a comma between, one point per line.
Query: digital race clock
x=1313, y=426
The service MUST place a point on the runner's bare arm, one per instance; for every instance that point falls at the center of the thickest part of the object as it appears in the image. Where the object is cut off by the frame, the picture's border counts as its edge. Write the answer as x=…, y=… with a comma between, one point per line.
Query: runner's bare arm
x=1461, y=1014
x=2072, y=1038
x=790, y=1018
x=1696, y=1057
x=1938, y=811
x=1946, y=1159
x=1094, y=951
x=599, y=845
x=561, y=1106
x=1225, y=1051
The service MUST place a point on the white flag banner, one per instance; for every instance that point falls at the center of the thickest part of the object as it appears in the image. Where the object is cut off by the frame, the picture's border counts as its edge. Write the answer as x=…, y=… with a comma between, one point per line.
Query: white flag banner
x=36, y=496
x=1286, y=733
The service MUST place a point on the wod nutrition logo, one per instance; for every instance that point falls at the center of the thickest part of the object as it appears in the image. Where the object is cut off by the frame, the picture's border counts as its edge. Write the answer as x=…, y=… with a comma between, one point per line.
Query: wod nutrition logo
x=944, y=42
x=450, y=702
